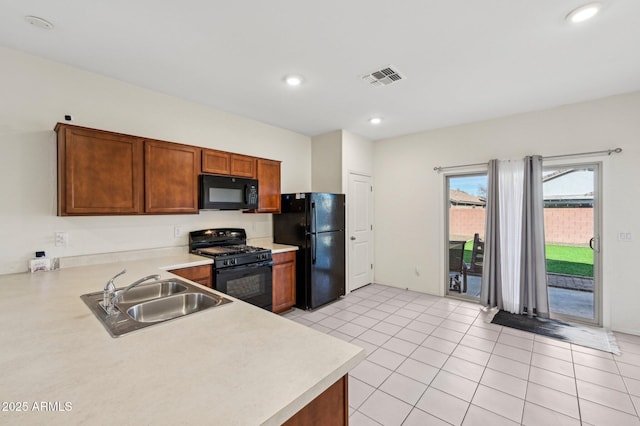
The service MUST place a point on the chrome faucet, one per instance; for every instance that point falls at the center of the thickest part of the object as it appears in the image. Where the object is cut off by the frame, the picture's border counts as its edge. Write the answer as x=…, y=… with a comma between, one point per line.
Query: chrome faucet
x=109, y=291
x=109, y=297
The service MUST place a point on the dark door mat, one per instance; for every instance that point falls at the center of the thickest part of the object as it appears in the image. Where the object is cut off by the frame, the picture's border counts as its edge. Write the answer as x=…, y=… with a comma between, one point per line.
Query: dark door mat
x=582, y=335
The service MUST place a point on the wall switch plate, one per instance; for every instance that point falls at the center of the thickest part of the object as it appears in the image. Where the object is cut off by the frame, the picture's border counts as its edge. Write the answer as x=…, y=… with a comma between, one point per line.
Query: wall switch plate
x=61, y=239
x=625, y=236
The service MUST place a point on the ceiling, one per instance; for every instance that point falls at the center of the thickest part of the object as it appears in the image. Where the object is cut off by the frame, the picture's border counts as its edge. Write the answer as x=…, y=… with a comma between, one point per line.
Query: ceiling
x=462, y=60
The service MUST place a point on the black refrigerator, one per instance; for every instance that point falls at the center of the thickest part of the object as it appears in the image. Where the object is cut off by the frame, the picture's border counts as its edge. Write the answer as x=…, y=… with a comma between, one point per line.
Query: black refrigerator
x=315, y=222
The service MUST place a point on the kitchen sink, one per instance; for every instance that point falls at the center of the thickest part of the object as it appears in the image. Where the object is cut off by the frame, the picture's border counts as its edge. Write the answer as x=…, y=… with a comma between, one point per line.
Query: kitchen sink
x=150, y=291
x=170, y=307
x=150, y=304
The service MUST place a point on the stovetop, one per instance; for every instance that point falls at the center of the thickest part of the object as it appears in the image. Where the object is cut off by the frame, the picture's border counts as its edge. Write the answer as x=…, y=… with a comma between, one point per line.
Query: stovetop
x=229, y=250
x=227, y=246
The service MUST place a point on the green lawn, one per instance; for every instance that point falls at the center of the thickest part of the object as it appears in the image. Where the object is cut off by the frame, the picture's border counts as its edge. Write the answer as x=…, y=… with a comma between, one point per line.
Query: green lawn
x=560, y=259
x=570, y=260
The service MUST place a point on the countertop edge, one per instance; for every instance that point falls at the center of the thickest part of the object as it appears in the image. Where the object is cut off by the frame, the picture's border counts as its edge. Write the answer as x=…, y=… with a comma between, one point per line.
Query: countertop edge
x=346, y=361
x=304, y=399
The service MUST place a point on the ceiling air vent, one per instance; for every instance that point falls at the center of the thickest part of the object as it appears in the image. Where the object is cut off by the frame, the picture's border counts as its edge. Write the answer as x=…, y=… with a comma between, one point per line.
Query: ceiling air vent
x=383, y=77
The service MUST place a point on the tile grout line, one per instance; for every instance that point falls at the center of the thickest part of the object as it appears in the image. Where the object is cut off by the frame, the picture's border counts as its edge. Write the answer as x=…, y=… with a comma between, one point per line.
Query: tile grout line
x=626, y=386
x=450, y=309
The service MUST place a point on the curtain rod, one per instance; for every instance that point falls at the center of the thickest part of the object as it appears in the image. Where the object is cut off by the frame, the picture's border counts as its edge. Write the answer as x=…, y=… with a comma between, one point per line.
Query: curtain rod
x=551, y=157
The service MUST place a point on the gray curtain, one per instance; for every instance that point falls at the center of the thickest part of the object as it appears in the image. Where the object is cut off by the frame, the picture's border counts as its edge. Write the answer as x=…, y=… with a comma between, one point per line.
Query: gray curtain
x=491, y=288
x=533, y=280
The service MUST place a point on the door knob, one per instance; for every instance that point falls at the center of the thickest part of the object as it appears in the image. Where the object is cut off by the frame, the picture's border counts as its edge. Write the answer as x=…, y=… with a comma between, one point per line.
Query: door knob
x=353, y=238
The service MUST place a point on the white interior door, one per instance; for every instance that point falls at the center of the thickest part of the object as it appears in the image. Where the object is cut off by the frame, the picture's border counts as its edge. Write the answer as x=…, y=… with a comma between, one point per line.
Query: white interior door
x=360, y=232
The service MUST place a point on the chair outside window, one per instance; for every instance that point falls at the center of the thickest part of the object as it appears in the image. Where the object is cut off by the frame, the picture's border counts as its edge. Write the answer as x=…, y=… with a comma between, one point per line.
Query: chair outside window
x=457, y=267
x=477, y=256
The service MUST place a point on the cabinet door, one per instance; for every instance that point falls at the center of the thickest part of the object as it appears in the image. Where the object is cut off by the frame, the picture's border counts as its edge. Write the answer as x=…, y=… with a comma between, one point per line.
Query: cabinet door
x=98, y=172
x=331, y=407
x=243, y=166
x=170, y=177
x=268, y=186
x=284, y=281
x=216, y=162
x=199, y=274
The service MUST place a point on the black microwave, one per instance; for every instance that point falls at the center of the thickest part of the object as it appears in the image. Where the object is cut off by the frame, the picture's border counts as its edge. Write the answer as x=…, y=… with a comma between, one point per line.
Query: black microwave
x=228, y=193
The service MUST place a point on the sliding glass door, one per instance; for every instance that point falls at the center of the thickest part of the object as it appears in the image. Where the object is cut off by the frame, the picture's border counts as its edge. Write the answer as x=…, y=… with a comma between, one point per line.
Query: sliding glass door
x=571, y=194
x=571, y=219
x=466, y=200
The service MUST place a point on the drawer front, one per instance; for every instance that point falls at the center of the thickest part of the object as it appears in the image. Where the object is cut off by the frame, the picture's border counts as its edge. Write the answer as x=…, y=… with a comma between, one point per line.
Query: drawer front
x=200, y=274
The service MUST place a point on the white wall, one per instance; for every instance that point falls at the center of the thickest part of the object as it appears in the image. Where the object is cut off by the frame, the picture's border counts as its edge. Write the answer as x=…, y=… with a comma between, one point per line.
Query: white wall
x=409, y=197
x=357, y=154
x=334, y=155
x=326, y=162
x=37, y=93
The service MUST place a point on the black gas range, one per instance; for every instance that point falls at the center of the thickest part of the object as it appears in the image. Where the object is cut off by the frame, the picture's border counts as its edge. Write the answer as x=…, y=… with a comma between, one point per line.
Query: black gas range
x=239, y=270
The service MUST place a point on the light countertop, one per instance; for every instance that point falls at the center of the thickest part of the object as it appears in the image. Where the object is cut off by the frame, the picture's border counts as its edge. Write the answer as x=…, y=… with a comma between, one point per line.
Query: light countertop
x=232, y=365
x=268, y=244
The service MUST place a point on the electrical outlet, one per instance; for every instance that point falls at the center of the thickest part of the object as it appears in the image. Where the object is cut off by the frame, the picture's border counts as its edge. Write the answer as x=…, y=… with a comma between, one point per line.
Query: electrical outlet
x=177, y=232
x=61, y=239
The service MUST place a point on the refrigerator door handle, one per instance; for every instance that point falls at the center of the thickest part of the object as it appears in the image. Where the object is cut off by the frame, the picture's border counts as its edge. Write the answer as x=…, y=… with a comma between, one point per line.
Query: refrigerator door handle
x=314, y=235
x=314, y=213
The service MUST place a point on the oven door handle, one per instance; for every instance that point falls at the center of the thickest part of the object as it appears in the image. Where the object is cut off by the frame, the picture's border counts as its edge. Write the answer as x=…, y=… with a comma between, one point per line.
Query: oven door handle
x=249, y=266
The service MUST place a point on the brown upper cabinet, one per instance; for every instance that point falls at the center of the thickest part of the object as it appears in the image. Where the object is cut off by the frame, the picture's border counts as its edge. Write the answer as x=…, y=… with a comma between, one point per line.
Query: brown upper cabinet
x=98, y=172
x=268, y=173
x=170, y=177
x=106, y=173
x=216, y=162
x=243, y=166
x=226, y=163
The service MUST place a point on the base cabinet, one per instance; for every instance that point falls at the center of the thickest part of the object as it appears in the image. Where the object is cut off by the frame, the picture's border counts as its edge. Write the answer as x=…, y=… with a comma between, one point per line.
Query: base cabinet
x=284, y=281
x=199, y=274
x=330, y=408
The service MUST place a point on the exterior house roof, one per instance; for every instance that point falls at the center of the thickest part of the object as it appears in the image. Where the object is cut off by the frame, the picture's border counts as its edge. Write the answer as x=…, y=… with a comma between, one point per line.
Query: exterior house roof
x=571, y=187
x=461, y=198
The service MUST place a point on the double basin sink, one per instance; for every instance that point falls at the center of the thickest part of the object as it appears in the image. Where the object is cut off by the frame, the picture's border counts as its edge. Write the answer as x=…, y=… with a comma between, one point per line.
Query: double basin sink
x=150, y=304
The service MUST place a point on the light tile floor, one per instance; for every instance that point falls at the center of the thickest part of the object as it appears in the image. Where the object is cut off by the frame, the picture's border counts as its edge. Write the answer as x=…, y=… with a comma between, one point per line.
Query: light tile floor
x=435, y=361
x=563, y=299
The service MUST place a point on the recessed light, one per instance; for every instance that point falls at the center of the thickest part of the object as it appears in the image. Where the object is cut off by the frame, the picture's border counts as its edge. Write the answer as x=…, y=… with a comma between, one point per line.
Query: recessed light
x=375, y=120
x=293, y=80
x=584, y=13
x=39, y=22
